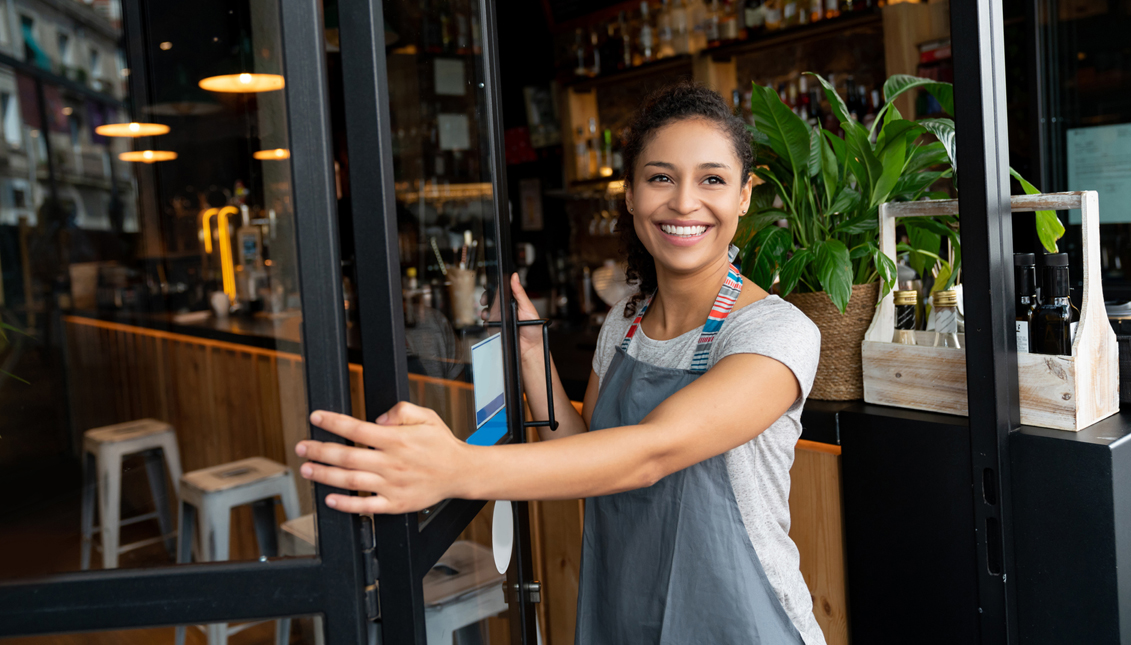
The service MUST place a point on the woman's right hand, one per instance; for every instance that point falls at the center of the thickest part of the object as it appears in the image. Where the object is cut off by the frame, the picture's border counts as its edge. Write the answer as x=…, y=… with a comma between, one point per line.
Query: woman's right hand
x=529, y=336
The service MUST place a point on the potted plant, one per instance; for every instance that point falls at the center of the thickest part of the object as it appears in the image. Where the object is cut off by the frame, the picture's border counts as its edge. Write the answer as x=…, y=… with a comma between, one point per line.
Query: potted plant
x=828, y=189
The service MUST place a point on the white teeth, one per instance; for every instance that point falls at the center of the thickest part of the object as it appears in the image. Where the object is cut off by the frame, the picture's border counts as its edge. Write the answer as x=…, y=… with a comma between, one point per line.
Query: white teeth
x=683, y=231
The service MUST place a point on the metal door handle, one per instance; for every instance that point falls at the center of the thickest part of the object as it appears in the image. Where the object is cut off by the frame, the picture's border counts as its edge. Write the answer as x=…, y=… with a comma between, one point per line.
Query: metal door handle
x=551, y=423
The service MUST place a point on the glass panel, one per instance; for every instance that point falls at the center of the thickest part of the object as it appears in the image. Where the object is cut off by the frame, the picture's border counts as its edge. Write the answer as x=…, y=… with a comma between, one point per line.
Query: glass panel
x=442, y=162
x=150, y=290
x=302, y=630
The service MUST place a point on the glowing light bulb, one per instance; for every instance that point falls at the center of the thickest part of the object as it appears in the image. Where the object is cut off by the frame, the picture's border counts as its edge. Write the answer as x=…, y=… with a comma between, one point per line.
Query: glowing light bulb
x=148, y=154
x=245, y=78
x=134, y=127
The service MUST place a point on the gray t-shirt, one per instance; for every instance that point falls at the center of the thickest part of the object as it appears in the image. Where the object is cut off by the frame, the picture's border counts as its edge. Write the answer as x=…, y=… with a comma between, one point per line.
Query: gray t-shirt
x=759, y=469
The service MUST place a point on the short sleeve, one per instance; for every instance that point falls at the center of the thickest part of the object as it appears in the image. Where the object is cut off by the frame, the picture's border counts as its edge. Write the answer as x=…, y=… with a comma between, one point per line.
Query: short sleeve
x=612, y=331
x=776, y=329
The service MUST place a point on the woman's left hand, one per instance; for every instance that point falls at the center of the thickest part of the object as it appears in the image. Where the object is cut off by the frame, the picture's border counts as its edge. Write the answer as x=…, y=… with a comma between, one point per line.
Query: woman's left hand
x=415, y=465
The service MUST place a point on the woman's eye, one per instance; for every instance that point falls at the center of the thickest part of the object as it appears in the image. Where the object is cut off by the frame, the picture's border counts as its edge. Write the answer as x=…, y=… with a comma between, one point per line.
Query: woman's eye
x=715, y=180
x=658, y=178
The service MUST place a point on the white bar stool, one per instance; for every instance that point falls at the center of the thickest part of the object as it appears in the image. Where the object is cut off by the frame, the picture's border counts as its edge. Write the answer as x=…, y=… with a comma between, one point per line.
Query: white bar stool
x=103, y=450
x=210, y=494
x=462, y=588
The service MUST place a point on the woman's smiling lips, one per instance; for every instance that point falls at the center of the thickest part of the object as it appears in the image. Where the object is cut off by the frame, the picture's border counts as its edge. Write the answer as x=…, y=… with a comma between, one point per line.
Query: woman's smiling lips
x=683, y=233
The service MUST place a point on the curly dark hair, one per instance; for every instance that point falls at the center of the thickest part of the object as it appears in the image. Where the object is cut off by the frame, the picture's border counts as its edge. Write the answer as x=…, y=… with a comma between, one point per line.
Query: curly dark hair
x=683, y=100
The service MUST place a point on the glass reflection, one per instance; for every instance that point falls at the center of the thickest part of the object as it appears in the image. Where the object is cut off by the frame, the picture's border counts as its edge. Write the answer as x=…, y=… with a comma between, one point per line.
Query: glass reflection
x=151, y=361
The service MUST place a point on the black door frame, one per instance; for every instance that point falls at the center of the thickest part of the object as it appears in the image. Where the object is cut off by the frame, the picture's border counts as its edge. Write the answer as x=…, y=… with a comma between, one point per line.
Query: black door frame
x=330, y=583
x=978, y=43
x=406, y=547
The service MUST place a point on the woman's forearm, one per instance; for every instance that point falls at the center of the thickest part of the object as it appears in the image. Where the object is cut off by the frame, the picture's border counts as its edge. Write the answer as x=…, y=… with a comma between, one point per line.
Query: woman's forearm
x=569, y=420
x=582, y=465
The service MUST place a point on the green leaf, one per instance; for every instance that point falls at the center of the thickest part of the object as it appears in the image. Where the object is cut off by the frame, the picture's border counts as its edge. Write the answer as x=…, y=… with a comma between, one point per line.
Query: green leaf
x=859, y=252
x=925, y=156
x=788, y=134
x=899, y=83
x=793, y=268
x=762, y=197
x=847, y=200
x=814, y=152
x=834, y=271
x=1049, y=228
x=830, y=170
x=944, y=130
x=885, y=266
x=898, y=129
x=861, y=223
x=911, y=184
x=892, y=157
x=840, y=110
x=923, y=247
x=862, y=161
x=765, y=254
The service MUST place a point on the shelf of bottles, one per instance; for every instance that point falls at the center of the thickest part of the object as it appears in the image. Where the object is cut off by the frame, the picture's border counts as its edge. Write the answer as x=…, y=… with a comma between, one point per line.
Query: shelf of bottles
x=664, y=36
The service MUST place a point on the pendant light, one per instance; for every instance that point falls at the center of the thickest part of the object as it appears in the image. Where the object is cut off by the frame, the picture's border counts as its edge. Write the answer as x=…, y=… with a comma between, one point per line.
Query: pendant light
x=133, y=129
x=244, y=82
x=277, y=153
x=148, y=156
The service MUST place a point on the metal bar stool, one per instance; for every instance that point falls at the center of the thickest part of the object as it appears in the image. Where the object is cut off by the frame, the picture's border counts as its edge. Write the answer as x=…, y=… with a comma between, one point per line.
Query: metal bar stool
x=103, y=451
x=462, y=588
x=210, y=494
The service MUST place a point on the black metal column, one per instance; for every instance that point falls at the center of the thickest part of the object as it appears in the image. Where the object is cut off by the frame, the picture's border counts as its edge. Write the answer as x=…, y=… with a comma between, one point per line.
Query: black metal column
x=324, y=319
x=987, y=244
x=369, y=142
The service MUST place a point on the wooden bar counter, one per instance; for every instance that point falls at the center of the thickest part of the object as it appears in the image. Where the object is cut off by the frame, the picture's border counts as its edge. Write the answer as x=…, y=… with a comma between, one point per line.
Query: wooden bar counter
x=236, y=389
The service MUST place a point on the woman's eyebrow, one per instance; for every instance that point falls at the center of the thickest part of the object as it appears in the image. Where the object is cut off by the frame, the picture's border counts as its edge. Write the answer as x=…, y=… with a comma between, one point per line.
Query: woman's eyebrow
x=703, y=166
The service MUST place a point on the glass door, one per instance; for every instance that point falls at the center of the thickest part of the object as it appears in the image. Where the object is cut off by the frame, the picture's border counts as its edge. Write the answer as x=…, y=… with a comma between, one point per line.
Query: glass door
x=172, y=305
x=430, y=251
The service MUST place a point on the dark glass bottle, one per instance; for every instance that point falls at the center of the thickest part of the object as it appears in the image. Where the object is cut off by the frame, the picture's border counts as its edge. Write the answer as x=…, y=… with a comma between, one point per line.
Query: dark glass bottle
x=1052, y=319
x=905, y=304
x=1025, y=303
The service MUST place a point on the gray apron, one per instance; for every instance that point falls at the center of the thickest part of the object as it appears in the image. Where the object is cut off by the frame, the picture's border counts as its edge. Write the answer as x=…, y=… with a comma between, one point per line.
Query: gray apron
x=672, y=563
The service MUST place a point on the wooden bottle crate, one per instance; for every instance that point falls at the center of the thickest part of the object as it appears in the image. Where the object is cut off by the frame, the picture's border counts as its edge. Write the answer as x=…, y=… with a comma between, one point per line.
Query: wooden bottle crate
x=1062, y=392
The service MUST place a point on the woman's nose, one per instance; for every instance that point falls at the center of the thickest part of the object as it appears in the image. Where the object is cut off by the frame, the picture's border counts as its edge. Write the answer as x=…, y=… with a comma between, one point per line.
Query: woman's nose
x=685, y=199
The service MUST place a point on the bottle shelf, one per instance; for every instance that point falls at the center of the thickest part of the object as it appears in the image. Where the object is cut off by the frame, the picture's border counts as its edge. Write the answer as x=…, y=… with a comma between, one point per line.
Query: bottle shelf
x=794, y=35
x=671, y=65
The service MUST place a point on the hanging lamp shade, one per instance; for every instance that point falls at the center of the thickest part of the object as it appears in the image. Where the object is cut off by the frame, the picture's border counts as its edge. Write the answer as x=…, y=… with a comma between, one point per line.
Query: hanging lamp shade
x=148, y=156
x=132, y=129
x=182, y=98
x=245, y=82
x=277, y=153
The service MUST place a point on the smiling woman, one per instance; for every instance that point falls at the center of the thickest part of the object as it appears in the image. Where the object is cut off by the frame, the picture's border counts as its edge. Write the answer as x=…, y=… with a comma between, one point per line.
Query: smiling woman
x=687, y=433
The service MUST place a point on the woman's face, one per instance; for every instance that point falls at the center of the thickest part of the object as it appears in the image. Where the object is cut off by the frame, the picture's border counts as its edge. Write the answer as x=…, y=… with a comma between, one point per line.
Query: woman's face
x=687, y=195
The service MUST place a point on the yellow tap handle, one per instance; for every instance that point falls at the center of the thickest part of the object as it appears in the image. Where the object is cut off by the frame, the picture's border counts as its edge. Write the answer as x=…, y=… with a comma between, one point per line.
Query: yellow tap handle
x=208, y=233
x=227, y=264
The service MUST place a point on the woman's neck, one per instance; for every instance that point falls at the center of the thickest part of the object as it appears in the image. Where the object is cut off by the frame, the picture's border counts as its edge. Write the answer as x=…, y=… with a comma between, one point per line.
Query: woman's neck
x=683, y=300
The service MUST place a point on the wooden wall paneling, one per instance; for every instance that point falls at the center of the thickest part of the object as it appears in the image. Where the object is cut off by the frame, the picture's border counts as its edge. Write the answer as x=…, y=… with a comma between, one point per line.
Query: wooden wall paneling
x=817, y=529
x=291, y=382
x=906, y=25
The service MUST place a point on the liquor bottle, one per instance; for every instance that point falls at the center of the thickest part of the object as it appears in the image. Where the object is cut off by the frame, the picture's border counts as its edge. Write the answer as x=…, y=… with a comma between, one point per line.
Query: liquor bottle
x=463, y=27
x=711, y=24
x=816, y=10
x=1025, y=286
x=832, y=8
x=789, y=14
x=946, y=319
x=664, y=46
x=868, y=107
x=736, y=102
x=697, y=18
x=626, y=41
x=580, y=69
x=681, y=31
x=804, y=109
x=754, y=16
x=848, y=6
x=644, y=47
x=594, y=53
x=729, y=24
x=581, y=155
x=905, y=304
x=594, y=149
x=850, y=99
x=791, y=97
x=612, y=48
x=1053, y=326
x=773, y=15
x=803, y=12
x=607, y=154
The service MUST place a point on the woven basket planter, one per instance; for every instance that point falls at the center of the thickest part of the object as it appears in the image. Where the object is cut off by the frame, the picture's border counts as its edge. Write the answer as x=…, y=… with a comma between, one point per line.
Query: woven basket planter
x=840, y=376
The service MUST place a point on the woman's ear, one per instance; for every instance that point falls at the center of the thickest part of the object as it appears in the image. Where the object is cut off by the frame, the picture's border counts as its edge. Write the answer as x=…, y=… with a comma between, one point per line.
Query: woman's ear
x=747, y=190
x=628, y=197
